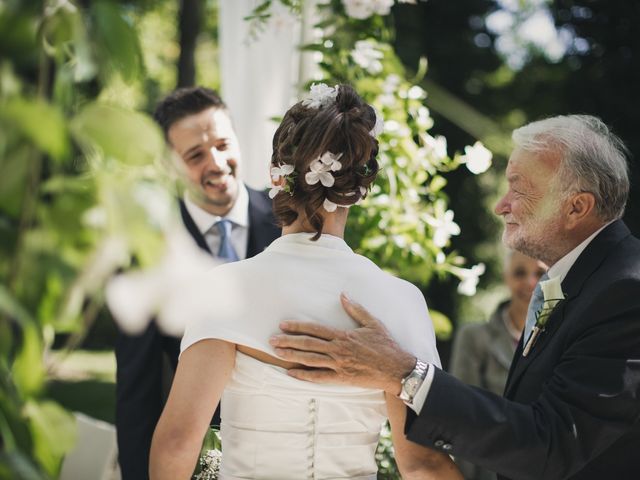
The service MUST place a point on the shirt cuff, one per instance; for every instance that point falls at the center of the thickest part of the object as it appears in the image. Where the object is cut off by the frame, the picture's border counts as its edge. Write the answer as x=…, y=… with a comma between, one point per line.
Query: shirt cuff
x=423, y=391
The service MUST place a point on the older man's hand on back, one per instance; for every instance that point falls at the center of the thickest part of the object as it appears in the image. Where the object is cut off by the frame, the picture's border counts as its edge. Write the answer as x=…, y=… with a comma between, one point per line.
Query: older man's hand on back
x=367, y=356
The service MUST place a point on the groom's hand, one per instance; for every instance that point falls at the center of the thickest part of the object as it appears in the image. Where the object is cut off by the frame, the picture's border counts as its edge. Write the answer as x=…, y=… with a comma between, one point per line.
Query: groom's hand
x=367, y=356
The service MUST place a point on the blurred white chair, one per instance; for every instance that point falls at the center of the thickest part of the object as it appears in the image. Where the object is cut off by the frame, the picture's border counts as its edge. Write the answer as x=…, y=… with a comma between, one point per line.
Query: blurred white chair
x=95, y=456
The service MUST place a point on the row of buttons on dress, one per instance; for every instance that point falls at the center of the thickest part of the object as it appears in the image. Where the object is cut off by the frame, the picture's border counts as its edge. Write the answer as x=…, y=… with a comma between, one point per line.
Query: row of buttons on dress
x=312, y=441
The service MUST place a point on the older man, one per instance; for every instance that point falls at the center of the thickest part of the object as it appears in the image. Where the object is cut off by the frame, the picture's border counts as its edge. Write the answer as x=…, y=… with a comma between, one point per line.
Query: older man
x=571, y=407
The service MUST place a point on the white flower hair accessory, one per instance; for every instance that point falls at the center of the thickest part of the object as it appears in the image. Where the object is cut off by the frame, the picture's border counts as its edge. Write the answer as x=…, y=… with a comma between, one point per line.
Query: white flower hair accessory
x=320, y=95
x=321, y=168
x=285, y=172
x=378, y=128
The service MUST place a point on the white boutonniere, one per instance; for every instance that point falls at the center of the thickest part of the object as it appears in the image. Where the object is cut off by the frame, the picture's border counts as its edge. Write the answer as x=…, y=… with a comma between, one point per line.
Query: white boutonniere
x=553, y=295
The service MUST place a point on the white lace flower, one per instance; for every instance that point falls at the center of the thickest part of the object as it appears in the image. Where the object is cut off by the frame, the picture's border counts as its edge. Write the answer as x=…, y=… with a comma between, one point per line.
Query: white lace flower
x=378, y=128
x=367, y=56
x=319, y=172
x=281, y=171
x=477, y=158
x=331, y=160
x=320, y=95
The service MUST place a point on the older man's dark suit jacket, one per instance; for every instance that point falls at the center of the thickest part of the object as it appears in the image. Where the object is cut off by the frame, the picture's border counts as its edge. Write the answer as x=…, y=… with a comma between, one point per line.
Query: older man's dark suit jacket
x=146, y=362
x=571, y=408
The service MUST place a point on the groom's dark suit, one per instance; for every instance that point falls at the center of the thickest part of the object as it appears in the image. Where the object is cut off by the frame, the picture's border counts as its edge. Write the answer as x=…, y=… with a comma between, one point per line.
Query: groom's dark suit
x=143, y=360
x=572, y=406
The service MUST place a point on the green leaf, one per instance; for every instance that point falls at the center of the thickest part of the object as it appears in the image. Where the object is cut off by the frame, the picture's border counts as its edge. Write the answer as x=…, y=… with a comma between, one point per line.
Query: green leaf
x=15, y=465
x=130, y=137
x=441, y=324
x=28, y=370
x=15, y=167
x=11, y=308
x=54, y=433
x=40, y=122
x=117, y=40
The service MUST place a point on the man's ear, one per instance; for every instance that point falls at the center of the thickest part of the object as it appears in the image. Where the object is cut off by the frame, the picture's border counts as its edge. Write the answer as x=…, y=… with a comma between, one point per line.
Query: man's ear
x=581, y=206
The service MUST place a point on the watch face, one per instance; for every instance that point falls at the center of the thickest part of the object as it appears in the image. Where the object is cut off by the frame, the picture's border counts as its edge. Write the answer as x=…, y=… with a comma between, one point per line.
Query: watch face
x=411, y=384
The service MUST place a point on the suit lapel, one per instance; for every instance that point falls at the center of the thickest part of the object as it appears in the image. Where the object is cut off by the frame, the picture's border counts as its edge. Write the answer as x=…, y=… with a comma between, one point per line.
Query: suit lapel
x=262, y=228
x=585, y=266
x=192, y=228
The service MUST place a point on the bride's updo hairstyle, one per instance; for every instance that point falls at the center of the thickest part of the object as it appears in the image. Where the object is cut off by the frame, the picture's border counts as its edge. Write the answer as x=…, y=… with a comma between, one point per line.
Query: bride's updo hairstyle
x=341, y=124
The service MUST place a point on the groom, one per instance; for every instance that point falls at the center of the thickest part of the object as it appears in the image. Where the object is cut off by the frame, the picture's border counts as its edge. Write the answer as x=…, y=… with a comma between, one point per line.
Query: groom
x=225, y=218
x=571, y=407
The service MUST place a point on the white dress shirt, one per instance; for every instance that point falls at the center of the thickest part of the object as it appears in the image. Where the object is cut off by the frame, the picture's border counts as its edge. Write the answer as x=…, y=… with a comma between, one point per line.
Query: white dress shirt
x=238, y=215
x=558, y=269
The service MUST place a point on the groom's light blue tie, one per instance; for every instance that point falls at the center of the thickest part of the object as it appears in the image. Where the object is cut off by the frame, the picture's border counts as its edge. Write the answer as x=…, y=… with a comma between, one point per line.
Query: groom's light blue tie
x=226, y=250
x=535, y=304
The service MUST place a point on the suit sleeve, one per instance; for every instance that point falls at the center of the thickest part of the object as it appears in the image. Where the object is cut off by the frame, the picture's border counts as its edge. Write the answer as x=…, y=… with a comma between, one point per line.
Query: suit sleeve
x=589, y=401
x=138, y=399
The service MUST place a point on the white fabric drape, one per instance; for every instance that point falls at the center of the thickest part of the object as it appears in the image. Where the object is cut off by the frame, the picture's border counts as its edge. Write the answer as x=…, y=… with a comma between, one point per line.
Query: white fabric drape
x=260, y=78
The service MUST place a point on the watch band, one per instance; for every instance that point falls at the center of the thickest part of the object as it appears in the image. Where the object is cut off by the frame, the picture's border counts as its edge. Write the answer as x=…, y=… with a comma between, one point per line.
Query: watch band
x=412, y=382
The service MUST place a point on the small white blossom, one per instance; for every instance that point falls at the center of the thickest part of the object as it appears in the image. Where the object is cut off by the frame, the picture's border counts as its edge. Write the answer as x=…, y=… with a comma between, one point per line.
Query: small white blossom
x=438, y=145
x=275, y=190
x=329, y=206
x=469, y=279
x=443, y=228
x=319, y=172
x=281, y=171
x=331, y=161
x=320, y=95
x=477, y=158
x=416, y=93
x=367, y=56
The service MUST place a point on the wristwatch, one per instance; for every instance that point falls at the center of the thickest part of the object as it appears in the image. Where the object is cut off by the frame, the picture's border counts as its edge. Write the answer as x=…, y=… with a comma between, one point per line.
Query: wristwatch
x=412, y=382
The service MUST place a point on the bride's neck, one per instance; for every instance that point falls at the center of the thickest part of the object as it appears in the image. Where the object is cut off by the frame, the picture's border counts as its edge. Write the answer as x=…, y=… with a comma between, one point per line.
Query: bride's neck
x=334, y=224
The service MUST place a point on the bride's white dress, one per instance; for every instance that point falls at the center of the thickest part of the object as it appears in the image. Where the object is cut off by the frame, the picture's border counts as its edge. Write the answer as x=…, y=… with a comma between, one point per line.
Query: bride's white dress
x=277, y=427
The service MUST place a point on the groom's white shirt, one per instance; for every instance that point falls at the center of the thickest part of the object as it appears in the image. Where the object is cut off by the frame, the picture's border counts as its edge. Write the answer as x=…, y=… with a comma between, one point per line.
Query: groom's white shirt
x=557, y=270
x=238, y=215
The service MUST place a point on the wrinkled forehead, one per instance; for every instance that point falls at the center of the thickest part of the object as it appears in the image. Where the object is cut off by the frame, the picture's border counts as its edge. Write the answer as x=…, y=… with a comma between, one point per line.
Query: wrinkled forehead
x=525, y=166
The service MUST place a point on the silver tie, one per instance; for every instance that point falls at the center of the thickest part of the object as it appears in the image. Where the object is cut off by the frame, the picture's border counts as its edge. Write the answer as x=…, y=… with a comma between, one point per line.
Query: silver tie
x=535, y=304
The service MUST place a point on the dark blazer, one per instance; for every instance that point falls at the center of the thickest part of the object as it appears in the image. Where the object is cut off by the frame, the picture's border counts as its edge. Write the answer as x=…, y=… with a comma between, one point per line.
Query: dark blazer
x=146, y=363
x=571, y=408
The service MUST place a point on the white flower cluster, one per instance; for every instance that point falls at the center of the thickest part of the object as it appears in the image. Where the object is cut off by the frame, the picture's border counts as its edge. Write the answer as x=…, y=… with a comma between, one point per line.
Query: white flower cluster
x=320, y=95
x=367, y=56
x=210, y=463
x=320, y=171
x=362, y=9
x=277, y=173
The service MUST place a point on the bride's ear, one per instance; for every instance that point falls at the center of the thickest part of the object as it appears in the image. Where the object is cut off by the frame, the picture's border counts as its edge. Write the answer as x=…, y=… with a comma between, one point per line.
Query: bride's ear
x=279, y=182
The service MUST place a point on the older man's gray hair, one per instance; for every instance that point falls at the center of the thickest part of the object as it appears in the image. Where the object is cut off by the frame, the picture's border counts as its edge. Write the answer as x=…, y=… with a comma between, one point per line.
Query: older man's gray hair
x=593, y=158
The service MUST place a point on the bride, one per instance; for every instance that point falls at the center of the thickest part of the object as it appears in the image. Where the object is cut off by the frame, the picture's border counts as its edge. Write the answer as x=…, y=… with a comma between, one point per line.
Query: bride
x=274, y=426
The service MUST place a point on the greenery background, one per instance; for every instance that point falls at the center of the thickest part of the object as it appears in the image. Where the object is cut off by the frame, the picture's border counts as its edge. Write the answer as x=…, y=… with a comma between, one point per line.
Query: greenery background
x=73, y=152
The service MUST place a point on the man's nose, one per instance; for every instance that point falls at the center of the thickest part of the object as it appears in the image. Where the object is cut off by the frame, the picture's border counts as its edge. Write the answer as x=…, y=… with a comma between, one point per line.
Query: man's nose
x=216, y=159
x=502, y=207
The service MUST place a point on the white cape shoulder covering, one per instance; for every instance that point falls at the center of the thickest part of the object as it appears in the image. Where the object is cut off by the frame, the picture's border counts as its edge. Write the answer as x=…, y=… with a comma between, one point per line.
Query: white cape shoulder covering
x=296, y=278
